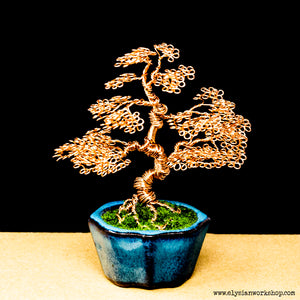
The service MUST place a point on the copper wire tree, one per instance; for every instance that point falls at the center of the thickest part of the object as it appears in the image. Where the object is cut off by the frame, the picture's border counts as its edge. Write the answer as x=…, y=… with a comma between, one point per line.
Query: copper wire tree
x=213, y=135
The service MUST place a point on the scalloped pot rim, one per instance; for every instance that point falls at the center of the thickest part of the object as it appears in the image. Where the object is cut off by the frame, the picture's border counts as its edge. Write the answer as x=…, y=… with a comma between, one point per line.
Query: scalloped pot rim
x=96, y=216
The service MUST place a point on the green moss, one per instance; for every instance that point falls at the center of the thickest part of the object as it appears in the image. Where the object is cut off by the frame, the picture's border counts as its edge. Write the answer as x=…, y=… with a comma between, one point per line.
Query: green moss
x=174, y=221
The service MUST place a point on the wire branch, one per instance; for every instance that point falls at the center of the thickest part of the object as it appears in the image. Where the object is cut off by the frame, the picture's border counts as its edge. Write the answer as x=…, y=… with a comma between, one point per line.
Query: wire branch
x=225, y=134
x=119, y=81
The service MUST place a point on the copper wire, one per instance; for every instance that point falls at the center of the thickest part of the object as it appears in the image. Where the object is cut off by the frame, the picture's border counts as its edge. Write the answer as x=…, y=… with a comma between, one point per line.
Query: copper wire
x=224, y=132
x=213, y=135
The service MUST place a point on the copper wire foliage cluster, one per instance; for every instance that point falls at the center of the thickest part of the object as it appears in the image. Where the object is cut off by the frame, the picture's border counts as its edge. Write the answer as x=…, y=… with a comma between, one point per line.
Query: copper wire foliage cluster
x=213, y=135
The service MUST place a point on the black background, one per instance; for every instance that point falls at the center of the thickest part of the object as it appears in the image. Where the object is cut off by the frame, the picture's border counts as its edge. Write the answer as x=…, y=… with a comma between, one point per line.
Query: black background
x=57, y=63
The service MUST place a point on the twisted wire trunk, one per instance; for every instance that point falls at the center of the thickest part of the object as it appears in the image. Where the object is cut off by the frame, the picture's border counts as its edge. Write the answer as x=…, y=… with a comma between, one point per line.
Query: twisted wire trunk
x=161, y=170
x=143, y=184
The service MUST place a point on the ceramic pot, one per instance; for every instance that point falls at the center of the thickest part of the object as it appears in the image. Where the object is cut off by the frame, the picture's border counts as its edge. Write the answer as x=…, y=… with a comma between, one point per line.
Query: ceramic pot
x=147, y=258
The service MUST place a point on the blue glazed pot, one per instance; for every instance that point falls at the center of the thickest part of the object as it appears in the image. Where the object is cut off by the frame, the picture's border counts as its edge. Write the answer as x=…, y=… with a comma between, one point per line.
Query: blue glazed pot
x=147, y=258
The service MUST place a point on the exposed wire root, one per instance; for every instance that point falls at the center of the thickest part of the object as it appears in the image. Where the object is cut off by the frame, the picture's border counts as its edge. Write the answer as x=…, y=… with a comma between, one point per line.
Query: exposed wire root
x=154, y=210
x=129, y=206
x=177, y=211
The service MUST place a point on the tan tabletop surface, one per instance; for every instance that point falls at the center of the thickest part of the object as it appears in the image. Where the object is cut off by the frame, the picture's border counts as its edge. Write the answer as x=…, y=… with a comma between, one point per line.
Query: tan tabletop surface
x=65, y=266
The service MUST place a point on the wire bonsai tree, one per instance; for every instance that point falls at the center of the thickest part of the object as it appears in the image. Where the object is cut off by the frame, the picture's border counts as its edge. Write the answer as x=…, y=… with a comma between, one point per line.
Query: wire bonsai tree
x=213, y=136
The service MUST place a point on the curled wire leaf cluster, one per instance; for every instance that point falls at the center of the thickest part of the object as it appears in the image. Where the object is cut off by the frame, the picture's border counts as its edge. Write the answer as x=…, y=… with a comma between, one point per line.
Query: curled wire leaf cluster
x=138, y=55
x=189, y=127
x=105, y=106
x=116, y=113
x=223, y=140
x=119, y=81
x=173, y=80
x=94, y=152
x=124, y=119
x=168, y=50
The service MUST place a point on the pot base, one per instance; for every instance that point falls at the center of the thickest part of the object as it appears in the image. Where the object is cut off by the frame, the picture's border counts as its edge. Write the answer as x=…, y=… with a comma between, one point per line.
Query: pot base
x=147, y=259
